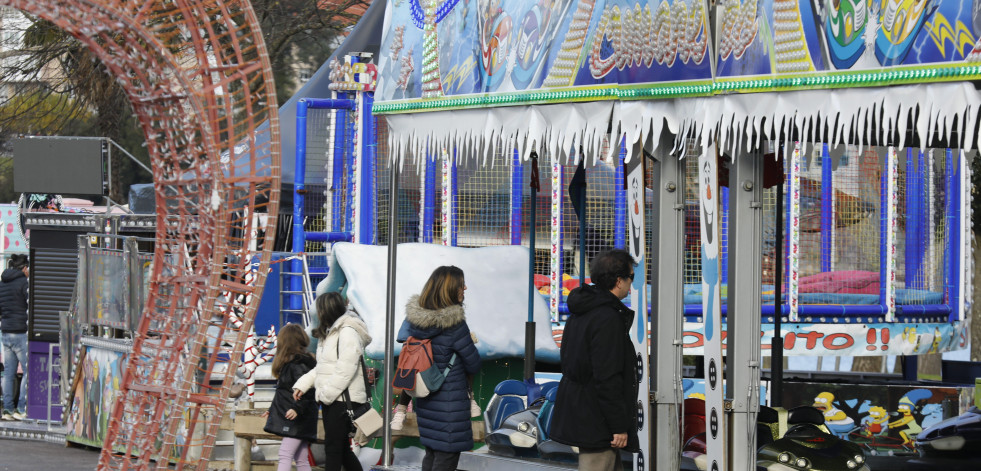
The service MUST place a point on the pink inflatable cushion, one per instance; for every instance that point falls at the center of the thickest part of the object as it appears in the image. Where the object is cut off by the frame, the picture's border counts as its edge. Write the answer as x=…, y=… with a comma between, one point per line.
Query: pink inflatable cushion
x=855, y=282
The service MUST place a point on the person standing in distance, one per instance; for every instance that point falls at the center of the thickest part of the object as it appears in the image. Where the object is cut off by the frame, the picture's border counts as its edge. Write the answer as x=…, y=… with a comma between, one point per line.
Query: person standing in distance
x=595, y=405
x=437, y=314
x=13, y=324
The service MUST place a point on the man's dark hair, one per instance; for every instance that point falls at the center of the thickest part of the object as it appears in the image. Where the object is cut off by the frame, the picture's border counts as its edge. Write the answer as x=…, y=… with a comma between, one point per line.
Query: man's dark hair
x=18, y=261
x=607, y=266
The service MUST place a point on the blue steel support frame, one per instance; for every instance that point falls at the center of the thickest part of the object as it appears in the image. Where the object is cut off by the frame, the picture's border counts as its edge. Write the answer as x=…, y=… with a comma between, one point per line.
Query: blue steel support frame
x=561, y=233
x=839, y=310
x=883, y=227
x=956, y=314
x=300, y=235
x=338, y=222
x=787, y=223
x=368, y=146
x=952, y=200
x=454, y=203
x=925, y=222
x=517, y=184
x=620, y=203
x=299, y=177
x=299, y=200
x=913, y=266
x=349, y=163
x=429, y=200
x=827, y=209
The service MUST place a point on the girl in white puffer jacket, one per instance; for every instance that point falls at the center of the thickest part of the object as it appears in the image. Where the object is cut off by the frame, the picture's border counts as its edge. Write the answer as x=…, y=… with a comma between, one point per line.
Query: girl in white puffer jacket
x=342, y=336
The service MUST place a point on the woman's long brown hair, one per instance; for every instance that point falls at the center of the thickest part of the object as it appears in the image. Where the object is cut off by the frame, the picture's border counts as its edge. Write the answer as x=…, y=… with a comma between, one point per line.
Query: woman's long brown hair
x=442, y=289
x=330, y=307
x=291, y=342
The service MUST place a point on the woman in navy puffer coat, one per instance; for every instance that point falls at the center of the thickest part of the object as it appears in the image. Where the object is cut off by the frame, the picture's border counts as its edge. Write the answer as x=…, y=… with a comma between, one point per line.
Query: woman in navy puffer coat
x=444, y=416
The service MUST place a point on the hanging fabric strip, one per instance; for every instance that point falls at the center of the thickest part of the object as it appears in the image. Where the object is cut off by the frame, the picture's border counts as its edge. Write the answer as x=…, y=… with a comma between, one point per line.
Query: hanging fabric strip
x=793, y=245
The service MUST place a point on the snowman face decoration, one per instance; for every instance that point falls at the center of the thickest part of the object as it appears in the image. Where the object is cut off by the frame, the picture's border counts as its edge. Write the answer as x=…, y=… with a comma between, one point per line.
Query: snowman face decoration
x=708, y=204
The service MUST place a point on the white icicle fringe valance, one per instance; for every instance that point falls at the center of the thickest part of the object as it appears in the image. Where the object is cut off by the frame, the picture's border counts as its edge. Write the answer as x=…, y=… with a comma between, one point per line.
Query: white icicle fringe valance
x=480, y=133
x=856, y=115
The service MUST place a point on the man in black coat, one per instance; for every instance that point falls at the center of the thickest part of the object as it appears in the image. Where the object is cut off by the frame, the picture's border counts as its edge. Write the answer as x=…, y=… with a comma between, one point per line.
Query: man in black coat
x=595, y=405
x=13, y=324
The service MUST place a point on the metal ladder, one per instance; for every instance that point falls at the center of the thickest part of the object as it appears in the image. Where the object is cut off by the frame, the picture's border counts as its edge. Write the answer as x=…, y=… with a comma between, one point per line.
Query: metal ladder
x=308, y=290
x=306, y=294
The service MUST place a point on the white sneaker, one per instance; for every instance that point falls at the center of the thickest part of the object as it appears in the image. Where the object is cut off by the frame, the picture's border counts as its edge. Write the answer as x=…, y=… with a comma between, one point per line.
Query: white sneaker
x=475, y=409
x=7, y=415
x=19, y=416
x=398, y=418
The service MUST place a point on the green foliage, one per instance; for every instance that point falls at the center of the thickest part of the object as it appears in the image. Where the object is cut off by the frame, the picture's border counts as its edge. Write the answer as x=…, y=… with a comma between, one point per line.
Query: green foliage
x=7, y=194
x=38, y=113
x=67, y=91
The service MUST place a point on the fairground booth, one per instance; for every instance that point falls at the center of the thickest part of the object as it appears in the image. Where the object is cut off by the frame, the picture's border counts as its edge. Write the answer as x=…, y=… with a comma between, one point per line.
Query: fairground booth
x=799, y=170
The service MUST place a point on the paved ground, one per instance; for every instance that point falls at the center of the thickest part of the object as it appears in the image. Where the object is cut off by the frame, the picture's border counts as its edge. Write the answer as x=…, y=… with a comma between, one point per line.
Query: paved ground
x=24, y=455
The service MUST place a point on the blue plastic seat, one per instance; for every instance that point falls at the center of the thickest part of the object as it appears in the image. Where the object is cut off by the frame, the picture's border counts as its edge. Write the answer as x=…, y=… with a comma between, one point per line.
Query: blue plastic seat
x=545, y=413
x=548, y=448
x=549, y=386
x=509, y=397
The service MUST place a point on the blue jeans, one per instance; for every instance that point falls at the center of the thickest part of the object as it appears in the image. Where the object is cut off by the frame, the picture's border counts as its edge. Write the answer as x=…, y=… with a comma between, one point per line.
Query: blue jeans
x=14, y=352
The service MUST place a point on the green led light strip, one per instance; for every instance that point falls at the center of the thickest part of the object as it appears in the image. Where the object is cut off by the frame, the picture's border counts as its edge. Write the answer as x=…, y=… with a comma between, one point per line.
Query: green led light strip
x=837, y=80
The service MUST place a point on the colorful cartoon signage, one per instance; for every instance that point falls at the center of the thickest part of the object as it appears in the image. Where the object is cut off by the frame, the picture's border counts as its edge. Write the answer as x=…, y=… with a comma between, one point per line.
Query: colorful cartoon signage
x=872, y=339
x=94, y=393
x=461, y=47
x=93, y=396
x=882, y=419
x=464, y=53
x=12, y=240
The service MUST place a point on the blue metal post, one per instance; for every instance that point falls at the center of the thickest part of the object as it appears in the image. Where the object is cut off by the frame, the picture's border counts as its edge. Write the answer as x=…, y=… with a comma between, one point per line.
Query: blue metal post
x=429, y=200
x=787, y=201
x=914, y=231
x=349, y=164
x=517, y=179
x=883, y=228
x=952, y=248
x=454, y=203
x=299, y=199
x=559, y=255
x=367, y=203
x=620, y=203
x=337, y=175
x=925, y=222
x=827, y=209
x=342, y=103
x=958, y=256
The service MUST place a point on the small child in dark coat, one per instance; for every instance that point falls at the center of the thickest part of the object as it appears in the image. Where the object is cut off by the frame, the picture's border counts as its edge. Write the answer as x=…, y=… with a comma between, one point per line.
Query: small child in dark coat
x=295, y=421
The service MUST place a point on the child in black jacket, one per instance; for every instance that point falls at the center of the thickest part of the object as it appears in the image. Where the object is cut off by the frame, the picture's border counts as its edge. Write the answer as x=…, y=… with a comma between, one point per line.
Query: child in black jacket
x=295, y=421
